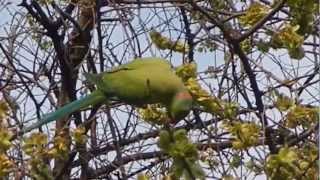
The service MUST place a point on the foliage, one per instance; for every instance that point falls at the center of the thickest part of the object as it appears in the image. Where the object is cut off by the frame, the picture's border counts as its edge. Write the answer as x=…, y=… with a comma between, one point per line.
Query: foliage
x=6, y=165
x=283, y=102
x=253, y=14
x=293, y=163
x=246, y=45
x=4, y=109
x=296, y=114
x=302, y=14
x=301, y=115
x=60, y=149
x=142, y=177
x=207, y=46
x=44, y=2
x=187, y=71
x=254, y=166
x=5, y=137
x=184, y=153
x=207, y=157
x=163, y=43
x=217, y=4
x=245, y=134
x=37, y=147
x=79, y=135
x=210, y=103
x=44, y=43
x=288, y=38
x=154, y=114
x=263, y=46
x=236, y=161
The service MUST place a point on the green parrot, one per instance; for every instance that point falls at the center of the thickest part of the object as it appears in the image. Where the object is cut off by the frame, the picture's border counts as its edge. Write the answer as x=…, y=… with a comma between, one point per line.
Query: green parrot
x=139, y=82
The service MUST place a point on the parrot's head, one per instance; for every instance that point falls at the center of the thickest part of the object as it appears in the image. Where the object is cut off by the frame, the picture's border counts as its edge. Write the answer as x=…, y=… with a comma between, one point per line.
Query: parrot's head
x=180, y=106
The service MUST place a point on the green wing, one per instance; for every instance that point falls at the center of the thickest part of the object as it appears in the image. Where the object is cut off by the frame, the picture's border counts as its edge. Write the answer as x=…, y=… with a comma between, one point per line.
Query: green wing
x=142, y=63
x=142, y=81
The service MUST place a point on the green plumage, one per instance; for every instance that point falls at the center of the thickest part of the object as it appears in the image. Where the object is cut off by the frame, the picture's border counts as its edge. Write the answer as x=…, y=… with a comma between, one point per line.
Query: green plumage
x=140, y=82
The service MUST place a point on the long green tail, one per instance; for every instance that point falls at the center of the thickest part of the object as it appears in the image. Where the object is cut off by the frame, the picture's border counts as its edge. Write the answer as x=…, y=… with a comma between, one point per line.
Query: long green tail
x=91, y=99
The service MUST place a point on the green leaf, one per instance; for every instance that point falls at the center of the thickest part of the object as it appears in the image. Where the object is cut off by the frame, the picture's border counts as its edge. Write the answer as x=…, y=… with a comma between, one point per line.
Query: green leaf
x=236, y=161
x=297, y=53
x=164, y=141
x=142, y=177
x=283, y=102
